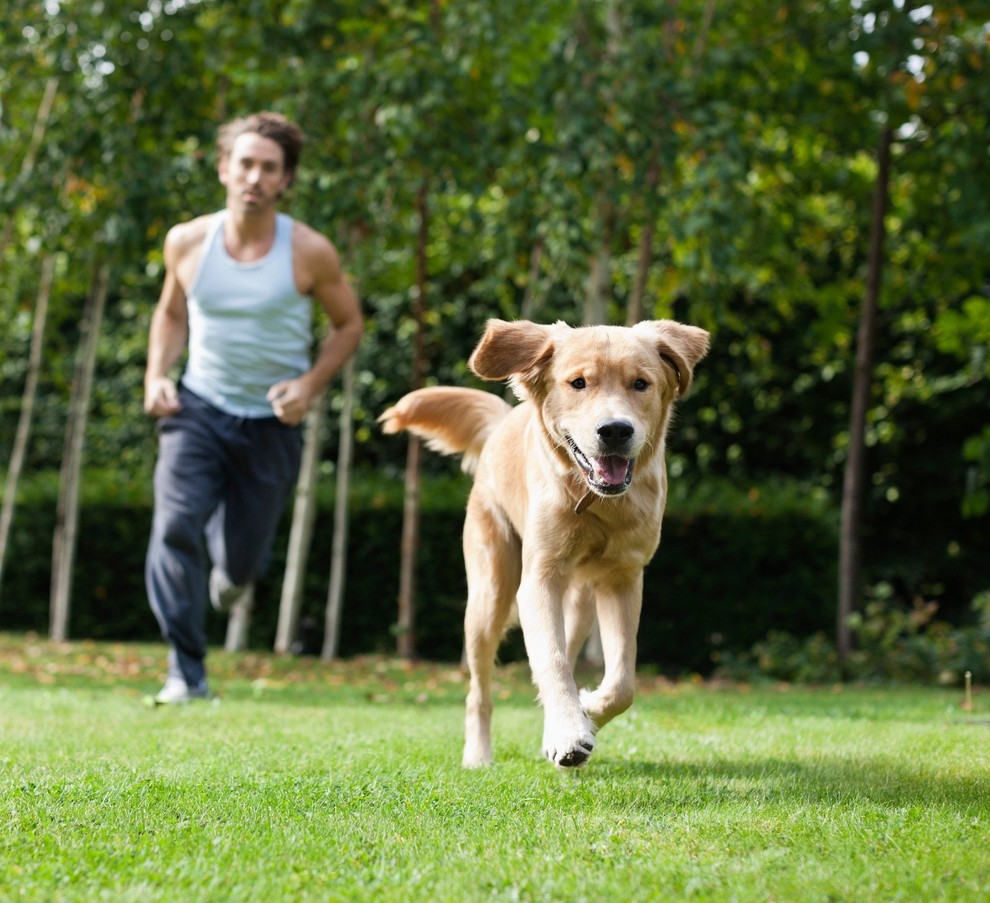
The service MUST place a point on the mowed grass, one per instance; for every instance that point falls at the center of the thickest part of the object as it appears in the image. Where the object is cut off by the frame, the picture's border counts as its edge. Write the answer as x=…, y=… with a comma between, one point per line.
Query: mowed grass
x=310, y=781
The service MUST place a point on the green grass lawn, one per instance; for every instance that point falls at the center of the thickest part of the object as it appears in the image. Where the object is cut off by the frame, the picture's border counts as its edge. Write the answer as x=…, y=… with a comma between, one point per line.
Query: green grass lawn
x=310, y=781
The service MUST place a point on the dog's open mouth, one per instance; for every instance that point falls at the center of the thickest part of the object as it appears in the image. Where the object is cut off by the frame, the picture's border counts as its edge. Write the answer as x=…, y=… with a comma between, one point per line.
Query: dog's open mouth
x=608, y=475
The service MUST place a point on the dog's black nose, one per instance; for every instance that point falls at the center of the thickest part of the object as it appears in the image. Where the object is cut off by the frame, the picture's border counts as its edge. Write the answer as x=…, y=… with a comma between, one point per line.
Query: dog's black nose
x=612, y=432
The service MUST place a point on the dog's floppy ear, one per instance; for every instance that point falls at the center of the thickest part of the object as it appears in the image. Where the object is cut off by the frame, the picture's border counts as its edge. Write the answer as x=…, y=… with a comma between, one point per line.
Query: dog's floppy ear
x=517, y=351
x=679, y=345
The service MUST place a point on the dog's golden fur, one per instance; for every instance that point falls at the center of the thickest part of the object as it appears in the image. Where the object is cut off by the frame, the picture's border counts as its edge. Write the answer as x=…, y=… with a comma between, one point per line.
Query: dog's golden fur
x=565, y=511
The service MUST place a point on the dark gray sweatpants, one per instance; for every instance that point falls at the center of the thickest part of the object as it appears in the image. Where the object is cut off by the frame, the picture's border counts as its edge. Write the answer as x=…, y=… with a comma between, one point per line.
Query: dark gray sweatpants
x=221, y=485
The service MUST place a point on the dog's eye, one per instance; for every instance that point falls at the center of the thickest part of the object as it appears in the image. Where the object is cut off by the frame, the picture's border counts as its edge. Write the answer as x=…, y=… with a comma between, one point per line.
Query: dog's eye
x=578, y=383
x=641, y=385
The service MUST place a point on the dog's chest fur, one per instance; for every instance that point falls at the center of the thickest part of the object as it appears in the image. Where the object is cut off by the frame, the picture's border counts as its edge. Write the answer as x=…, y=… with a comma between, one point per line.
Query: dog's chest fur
x=616, y=533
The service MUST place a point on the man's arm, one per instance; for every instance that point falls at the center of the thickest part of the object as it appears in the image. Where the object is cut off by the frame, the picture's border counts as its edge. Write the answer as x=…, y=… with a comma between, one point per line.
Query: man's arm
x=329, y=286
x=167, y=336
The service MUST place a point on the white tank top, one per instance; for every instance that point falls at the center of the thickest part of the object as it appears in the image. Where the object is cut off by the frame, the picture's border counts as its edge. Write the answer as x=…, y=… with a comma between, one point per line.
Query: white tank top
x=248, y=325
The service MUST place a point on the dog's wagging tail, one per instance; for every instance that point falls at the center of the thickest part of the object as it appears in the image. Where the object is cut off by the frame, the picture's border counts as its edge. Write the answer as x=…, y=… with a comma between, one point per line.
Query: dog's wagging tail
x=565, y=509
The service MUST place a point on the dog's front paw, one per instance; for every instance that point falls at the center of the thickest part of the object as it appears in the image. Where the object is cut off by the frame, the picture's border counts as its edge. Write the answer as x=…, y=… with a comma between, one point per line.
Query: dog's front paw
x=569, y=751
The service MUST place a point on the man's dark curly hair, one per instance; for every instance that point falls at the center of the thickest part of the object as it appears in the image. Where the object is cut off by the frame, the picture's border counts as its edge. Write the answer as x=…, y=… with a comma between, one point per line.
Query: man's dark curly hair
x=269, y=125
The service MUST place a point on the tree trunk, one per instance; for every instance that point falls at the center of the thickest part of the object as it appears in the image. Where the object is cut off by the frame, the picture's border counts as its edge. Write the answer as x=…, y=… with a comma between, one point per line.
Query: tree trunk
x=854, y=477
x=301, y=532
x=530, y=301
x=239, y=622
x=67, y=515
x=634, y=312
x=406, y=627
x=338, y=557
x=600, y=273
x=19, y=451
x=27, y=164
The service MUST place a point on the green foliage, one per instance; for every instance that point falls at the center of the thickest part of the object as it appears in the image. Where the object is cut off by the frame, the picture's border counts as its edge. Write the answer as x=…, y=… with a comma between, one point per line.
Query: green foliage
x=892, y=644
x=738, y=572
x=976, y=450
x=741, y=135
x=730, y=567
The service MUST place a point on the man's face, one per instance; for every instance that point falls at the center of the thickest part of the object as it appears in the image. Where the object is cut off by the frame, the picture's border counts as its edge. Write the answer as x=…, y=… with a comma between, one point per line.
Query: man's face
x=254, y=173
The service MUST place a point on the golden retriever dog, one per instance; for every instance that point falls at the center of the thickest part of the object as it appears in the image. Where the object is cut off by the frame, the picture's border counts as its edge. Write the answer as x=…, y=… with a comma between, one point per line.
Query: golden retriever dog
x=565, y=510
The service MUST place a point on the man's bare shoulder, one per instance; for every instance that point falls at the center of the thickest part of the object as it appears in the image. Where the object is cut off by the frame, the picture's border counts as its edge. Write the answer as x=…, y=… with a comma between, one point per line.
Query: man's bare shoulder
x=185, y=237
x=314, y=247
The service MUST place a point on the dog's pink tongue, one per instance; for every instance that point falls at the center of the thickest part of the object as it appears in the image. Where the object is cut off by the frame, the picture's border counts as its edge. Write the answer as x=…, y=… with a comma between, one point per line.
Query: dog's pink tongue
x=612, y=470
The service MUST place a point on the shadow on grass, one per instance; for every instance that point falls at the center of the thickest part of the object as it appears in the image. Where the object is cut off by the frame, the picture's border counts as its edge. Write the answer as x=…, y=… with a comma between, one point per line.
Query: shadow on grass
x=643, y=786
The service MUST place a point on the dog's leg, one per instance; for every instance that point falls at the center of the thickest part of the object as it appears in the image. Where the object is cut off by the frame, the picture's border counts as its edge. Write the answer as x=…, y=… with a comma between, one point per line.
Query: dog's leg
x=491, y=556
x=579, y=617
x=618, y=618
x=568, y=738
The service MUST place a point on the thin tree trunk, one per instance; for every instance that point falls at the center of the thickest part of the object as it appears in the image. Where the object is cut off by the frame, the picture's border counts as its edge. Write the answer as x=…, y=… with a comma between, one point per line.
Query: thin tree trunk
x=636, y=309
x=406, y=641
x=599, y=287
x=67, y=515
x=239, y=622
x=27, y=164
x=301, y=532
x=854, y=477
x=338, y=555
x=600, y=274
x=530, y=301
x=16, y=465
x=634, y=312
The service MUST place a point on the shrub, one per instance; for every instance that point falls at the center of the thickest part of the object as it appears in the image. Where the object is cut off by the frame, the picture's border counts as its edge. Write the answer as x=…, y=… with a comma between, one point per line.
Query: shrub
x=892, y=643
x=730, y=567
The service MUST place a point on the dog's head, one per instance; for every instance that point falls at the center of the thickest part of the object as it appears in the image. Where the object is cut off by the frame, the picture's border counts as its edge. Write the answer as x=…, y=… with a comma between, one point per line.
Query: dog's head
x=604, y=393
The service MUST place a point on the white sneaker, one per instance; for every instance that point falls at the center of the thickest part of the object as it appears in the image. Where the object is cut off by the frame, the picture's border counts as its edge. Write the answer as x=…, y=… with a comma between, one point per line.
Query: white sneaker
x=177, y=692
x=224, y=595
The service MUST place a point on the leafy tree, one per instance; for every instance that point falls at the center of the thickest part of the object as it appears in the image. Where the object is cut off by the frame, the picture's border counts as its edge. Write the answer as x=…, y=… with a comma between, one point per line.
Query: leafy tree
x=716, y=160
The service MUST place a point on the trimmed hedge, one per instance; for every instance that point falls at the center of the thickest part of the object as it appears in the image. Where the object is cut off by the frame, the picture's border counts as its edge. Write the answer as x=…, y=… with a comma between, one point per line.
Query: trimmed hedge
x=730, y=568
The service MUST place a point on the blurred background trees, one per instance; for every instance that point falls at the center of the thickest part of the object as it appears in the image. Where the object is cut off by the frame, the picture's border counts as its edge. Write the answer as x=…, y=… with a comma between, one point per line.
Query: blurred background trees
x=581, y=160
